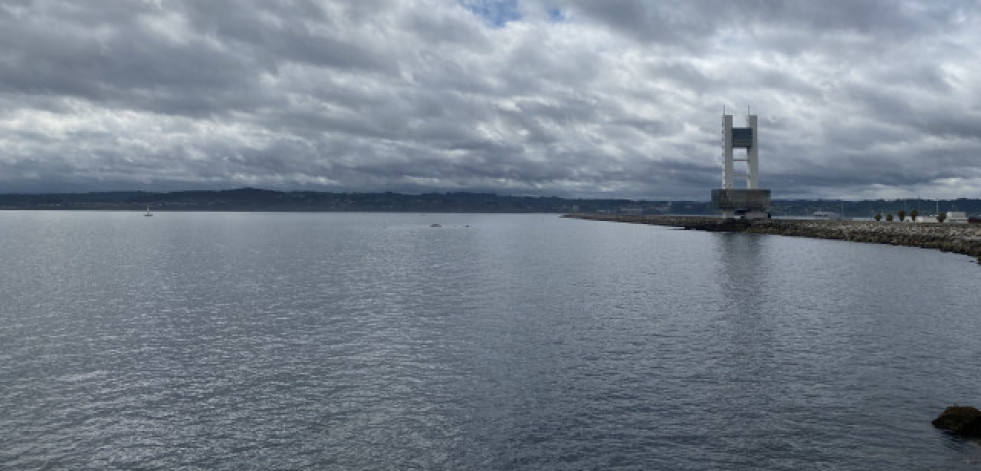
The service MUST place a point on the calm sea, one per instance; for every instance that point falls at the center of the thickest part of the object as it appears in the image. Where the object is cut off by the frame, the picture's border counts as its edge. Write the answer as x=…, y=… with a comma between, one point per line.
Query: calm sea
x=375, y=341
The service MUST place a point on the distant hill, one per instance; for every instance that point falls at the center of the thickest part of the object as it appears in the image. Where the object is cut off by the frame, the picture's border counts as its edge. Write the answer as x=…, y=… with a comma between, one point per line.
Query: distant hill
x=253, y=199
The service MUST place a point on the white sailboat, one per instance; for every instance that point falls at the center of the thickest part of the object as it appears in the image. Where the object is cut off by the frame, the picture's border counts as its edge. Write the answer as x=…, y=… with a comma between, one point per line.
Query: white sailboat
x=148, y=213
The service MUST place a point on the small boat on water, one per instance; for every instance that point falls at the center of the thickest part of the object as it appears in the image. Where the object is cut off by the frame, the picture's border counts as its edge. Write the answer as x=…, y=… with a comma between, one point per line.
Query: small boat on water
x=148, y=213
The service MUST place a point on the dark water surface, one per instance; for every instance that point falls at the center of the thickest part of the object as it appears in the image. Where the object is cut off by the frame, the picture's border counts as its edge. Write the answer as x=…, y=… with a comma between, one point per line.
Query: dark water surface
x=374, y=341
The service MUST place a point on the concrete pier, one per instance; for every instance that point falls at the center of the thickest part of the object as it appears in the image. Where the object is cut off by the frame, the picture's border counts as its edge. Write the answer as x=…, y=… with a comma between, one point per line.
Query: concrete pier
x=958, y=238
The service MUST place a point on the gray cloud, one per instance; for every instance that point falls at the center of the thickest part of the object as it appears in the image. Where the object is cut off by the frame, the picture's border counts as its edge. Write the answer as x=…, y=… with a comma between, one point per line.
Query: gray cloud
x=552, y=97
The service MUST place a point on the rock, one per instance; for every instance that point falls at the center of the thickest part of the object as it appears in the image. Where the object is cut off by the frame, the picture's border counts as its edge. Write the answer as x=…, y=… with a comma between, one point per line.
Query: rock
x=961, y=420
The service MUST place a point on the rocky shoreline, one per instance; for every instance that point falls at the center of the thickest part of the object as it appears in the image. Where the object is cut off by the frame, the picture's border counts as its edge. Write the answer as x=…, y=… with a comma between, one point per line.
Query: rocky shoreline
x=958, y=238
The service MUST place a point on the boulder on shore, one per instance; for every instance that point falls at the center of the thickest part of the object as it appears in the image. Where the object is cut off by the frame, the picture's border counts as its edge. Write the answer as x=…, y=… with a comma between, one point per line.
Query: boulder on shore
x=961, y=420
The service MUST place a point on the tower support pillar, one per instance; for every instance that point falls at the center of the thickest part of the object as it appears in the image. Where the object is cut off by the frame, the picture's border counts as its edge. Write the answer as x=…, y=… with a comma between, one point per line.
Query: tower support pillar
x=751, y=202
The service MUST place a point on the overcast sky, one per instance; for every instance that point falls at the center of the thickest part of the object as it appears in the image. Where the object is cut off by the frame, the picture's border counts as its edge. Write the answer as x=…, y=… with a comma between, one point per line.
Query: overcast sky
x=573, y=98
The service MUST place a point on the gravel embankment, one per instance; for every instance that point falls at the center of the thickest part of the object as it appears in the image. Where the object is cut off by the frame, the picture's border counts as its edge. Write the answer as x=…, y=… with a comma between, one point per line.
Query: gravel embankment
x=957, y=238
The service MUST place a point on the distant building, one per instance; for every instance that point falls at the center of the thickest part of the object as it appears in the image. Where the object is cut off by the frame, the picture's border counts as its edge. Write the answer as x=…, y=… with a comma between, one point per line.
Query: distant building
x=956, y=217
x=953, y=217
x=751, y=202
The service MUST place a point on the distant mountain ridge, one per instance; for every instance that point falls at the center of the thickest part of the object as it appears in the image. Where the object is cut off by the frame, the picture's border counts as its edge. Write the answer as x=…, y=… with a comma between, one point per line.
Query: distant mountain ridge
x=255, y=199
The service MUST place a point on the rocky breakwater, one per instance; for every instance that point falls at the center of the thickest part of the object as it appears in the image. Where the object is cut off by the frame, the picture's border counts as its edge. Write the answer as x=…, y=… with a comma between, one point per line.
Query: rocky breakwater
x=957, y=238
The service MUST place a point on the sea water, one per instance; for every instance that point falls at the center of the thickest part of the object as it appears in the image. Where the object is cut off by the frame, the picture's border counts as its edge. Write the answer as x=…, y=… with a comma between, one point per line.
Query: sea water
x=378, y=341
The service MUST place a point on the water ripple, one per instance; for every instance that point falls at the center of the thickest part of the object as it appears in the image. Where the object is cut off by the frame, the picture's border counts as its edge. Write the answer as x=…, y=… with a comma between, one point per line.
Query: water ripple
x=276, y=341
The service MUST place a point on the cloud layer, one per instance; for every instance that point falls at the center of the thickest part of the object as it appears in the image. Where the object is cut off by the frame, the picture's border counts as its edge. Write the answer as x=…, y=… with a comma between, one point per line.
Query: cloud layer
x=619, y=98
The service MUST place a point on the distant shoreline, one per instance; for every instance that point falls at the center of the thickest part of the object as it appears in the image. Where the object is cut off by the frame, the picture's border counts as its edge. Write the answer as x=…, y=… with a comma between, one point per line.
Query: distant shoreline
x=957, y=238
x=257, y=199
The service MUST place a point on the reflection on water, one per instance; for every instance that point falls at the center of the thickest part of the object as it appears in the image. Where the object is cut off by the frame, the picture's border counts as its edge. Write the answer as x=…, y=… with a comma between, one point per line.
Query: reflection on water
x=493, y=341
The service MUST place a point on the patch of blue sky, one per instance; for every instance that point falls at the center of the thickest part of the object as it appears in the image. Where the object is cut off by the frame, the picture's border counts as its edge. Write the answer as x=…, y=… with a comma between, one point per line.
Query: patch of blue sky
x=496, y=13
x=556, y=15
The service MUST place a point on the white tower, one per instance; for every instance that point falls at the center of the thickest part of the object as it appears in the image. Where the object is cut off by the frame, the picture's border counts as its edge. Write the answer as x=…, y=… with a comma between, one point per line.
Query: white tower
x=751, y=202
